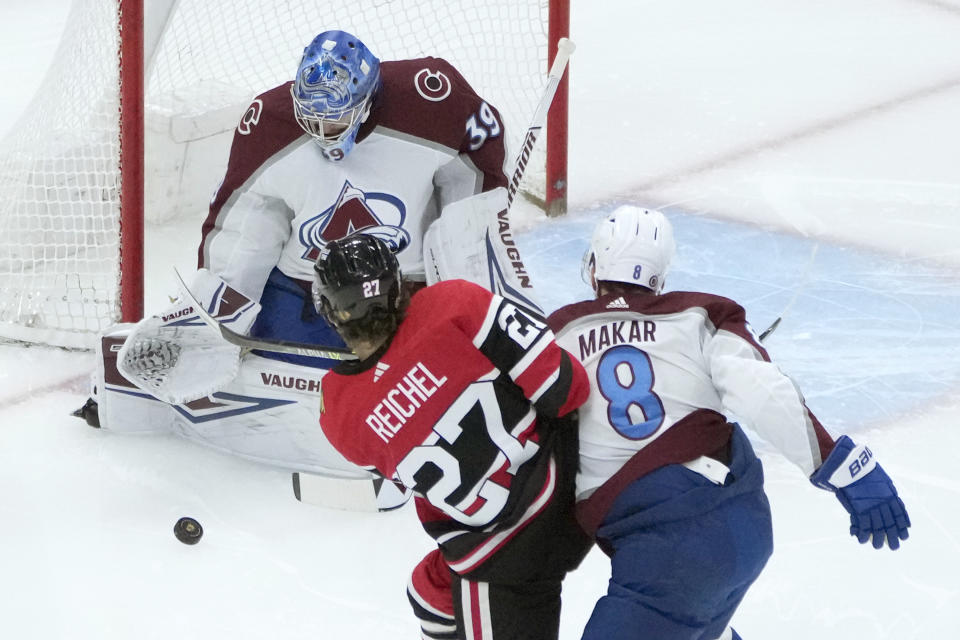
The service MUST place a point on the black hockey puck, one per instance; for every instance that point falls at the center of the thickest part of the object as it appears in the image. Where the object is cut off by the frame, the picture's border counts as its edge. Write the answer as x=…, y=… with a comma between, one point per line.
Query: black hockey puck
x=188, y=531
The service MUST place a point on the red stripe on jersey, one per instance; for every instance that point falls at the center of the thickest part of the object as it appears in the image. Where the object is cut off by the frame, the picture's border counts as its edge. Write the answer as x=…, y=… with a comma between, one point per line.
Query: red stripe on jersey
x=501, y=476
x=539, y=371
x=528, y=433
x=475, y=615
x=579, y=386
x=426, y=512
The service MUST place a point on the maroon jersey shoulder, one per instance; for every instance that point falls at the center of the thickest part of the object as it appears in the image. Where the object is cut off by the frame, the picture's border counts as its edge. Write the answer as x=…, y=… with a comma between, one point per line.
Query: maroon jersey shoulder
x=266, y=128
x=718, y=308
x=723, y=313
x=427, y=98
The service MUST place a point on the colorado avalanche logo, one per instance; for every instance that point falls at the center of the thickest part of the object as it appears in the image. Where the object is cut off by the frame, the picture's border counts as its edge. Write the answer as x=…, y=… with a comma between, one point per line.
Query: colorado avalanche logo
x=432, y=85
x=378, y=214
x=250, y=117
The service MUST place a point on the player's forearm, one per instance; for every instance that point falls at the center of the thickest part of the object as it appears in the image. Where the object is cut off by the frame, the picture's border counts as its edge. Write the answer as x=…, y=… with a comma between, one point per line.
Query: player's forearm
x=757, y=392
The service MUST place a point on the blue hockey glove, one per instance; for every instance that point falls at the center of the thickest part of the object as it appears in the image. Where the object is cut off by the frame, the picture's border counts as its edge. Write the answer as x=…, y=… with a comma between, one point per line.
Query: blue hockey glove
x=866, y=492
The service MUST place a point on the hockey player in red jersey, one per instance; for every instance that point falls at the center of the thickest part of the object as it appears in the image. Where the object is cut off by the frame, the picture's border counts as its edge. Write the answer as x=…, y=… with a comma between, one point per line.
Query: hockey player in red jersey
x=671, y=489
x=464, y=398
x=349, y=143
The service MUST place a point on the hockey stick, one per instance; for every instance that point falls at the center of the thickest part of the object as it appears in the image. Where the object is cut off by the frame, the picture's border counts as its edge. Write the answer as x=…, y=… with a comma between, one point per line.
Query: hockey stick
x=565, y=47
x=477, y=243
x=796, y=293
x=261, y=344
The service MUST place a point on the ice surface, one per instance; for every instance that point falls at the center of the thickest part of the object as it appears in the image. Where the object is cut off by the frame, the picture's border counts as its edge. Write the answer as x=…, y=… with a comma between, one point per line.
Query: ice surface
x=887, y=326
x=764, y=129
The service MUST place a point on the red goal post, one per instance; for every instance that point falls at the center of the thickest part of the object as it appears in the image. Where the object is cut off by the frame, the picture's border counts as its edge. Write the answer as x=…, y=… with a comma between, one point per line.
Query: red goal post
x=133, y=122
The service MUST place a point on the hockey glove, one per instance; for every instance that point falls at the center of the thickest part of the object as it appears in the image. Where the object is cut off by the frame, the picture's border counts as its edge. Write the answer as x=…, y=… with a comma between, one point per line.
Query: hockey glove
x=175, y=357
x=866, y=492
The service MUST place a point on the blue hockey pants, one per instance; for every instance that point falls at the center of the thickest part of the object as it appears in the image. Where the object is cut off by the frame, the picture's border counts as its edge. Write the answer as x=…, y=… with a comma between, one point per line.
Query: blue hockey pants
x=684, y=551
x=287, y=314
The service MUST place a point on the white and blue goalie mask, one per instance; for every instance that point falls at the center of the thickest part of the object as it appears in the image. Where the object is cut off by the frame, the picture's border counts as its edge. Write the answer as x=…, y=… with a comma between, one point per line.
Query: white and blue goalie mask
x=334, y=89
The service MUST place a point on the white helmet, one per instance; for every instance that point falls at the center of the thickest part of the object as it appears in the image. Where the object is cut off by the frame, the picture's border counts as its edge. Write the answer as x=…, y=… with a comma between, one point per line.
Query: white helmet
x=632, y=245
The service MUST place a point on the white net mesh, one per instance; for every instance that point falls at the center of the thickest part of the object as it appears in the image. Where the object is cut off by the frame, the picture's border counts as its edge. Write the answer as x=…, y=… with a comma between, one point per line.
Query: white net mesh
x=59, y=182
x=59, y=194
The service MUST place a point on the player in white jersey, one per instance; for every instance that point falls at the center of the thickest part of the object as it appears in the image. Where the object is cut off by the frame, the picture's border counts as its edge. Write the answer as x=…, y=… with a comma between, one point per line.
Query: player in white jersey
x=349, y=144
x=390, y=145
x=668, y=485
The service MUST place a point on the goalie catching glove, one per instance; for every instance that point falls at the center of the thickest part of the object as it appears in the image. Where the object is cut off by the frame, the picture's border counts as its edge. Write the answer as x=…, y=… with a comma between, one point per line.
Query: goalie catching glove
x=175, y=356
x=866, y=492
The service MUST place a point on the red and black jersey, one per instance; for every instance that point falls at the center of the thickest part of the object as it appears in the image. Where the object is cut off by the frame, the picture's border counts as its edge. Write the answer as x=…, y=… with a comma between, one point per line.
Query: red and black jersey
x=458, y=408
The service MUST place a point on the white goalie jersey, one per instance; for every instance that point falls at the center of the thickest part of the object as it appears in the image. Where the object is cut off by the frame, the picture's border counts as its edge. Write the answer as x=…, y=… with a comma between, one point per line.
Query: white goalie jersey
x=430, y=140
x=683, y=363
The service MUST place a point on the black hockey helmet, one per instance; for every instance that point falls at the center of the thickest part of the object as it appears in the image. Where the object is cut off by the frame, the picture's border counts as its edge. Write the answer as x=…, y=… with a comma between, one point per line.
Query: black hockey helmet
x=354, y=276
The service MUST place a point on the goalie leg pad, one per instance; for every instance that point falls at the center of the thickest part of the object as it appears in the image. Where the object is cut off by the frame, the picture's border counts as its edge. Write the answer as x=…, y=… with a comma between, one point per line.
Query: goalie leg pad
x=121, y=405
x=269, y=413
x=472, y=240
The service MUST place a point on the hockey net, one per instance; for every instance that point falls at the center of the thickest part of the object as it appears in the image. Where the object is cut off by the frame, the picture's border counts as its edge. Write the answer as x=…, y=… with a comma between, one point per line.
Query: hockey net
x=60, y=185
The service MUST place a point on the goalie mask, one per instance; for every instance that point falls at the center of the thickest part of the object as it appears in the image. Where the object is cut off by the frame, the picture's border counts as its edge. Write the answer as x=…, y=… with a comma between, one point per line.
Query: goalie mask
x=631, y=245
x=354, y=277
x=334, y=89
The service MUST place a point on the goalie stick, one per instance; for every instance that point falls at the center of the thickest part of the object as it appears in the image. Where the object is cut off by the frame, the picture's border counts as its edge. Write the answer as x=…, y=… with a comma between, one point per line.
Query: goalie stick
x=565, y=47
x=472, y=239
x=262, y=344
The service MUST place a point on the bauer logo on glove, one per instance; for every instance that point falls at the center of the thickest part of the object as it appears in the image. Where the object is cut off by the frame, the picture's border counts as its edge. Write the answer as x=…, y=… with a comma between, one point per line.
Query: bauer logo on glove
x=867, y=493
